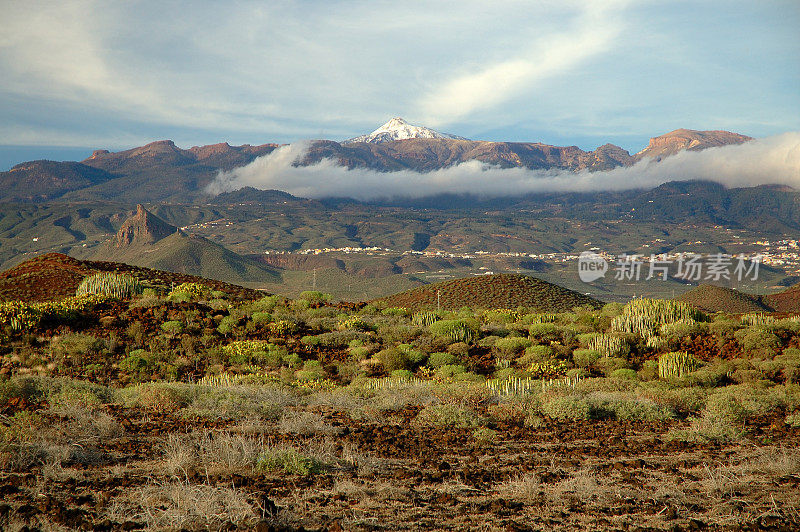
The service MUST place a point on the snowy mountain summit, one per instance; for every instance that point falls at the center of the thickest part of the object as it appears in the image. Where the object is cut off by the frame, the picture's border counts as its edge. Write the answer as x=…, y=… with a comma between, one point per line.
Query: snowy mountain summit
x=399, y=129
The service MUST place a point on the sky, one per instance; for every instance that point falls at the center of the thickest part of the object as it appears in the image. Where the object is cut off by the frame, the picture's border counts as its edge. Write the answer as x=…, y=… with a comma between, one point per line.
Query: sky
x=83, y=75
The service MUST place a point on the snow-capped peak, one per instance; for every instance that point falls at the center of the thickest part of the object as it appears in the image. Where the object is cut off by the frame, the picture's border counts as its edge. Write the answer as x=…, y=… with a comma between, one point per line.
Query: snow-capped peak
x=399, y=129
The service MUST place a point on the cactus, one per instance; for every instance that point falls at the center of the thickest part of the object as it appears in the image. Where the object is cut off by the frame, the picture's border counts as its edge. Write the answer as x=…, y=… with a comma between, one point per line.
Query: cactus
x=676, y=364
x=608, y=345
x=644, y=317
x=119, y=286
x=424, y=318
x=757, y=318
x=453, y=330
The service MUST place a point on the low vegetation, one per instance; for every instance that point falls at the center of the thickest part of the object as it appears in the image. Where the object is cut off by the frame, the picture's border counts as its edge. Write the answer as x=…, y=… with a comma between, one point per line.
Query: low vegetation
x=184, y=406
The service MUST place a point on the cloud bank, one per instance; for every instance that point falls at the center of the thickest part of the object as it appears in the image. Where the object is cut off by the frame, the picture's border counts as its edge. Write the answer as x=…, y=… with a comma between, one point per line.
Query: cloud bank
x=772, y=160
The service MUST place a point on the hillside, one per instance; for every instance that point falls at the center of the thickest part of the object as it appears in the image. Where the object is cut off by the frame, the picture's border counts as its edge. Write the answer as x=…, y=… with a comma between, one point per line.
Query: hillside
x=54, y=276
x=492, y=291
x=786, y=301
x=712, y=298
x=148, y=241
x=37, y=181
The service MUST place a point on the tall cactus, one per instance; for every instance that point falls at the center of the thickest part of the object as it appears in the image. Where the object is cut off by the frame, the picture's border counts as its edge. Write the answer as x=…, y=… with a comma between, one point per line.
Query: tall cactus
x=676, y=365
x=119, y=286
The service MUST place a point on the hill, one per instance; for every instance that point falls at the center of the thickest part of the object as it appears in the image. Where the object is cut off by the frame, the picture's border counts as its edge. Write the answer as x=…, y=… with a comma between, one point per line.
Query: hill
x=786, y=301
x=37, y=181
x=54, y=276
x=712, y=298
x=148, y=241
x=492, y=291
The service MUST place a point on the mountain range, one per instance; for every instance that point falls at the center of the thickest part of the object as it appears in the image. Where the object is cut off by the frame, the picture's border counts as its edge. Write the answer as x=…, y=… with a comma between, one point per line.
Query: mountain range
x=161, y=171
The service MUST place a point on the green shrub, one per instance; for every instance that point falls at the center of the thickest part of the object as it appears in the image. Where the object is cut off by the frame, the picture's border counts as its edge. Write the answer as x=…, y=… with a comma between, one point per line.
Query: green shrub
x=19, y=316
x=544, y=332
x=722, y=419
x=609, y=365
x=139, y=364
x=624, y=406
x=228, y=324
x=173, y=327
x=757, y=338
x=189, y=292
x=315, y=296
x=401, y=374
x=566, y=408
x=624, y=373
x=359, y=353
x=288, y=461
x=683, y=328
x=436, y=360
x=509, y=347
x=584, y=358
x=261, y=318
x=310, y=340
x=395, y=311
x=112, y=284
x=312, y=371
x=356, y=323
x=448, y=371
x=535, y=354
x=392, y=359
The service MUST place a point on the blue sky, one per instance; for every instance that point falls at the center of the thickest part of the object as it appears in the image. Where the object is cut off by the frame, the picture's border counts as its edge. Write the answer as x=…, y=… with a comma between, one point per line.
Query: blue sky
x=85, y=74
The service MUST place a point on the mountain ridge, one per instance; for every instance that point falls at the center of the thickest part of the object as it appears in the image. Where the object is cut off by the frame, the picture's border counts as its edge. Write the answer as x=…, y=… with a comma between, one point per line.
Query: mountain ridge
x=162, y=171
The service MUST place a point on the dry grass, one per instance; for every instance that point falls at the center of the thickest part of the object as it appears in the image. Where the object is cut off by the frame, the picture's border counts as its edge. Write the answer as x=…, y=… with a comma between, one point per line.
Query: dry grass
x=210, y=453
x=304, y=424
x=182, y=505
x=526, y=489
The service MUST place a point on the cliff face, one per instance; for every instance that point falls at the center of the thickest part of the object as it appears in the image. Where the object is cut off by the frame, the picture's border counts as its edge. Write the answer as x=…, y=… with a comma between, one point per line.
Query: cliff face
x=688, y=139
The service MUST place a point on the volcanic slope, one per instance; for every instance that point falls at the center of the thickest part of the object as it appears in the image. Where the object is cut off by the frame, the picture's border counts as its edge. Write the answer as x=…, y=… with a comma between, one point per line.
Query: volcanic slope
x=147, y=241
x=54, y=276
x=714, y=298
x=492, y=291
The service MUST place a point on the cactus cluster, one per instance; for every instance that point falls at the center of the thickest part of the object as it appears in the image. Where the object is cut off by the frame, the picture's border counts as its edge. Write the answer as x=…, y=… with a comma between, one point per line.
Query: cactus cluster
x=453, y=331
x=546, y=317
x=119, y=286
x=757, y=319
x=608, y=345
x=424, y=318
x=676, y=364
x=644, y=317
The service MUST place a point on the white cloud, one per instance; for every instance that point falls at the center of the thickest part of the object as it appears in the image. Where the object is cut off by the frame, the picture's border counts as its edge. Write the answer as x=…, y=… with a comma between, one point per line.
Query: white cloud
x=253, y=71
x=597, y=25
x=763, y=161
